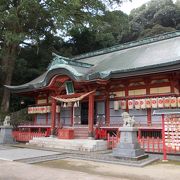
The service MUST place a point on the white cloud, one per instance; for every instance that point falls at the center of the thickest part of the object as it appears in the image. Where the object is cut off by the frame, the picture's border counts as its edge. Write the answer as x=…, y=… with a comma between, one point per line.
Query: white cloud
x=128, y=6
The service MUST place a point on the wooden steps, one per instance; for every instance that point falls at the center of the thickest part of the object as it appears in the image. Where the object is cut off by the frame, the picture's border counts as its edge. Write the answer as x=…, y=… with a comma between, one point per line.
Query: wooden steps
x=81, y=132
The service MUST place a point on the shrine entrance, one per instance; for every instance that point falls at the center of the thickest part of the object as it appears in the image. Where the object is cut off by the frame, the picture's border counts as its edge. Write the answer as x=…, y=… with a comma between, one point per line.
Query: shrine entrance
x=84, y=113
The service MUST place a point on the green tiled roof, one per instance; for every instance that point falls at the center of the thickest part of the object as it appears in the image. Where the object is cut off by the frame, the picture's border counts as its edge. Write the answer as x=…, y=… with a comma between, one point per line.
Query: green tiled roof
x=58, y=60
x=129, y=45
x=151, y=55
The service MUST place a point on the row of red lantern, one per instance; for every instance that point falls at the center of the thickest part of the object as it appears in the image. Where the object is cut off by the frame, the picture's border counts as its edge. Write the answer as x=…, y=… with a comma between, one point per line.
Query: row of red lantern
x=163, y=102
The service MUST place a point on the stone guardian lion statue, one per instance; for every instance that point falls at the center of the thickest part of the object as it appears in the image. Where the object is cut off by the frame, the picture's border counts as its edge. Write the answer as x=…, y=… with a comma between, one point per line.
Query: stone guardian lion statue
x=128, y=121
x=7, y=121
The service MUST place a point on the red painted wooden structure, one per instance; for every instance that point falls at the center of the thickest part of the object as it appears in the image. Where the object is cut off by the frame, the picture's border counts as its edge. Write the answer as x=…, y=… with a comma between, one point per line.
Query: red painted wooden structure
x=27, y=136
x=156, y=144
x=157, y=82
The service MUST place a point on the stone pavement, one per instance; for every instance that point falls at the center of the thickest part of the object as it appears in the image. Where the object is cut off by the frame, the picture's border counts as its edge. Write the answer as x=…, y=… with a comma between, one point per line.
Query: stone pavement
x=30, y=156
x=14, y=154
x=76, y=165
x=85, y=170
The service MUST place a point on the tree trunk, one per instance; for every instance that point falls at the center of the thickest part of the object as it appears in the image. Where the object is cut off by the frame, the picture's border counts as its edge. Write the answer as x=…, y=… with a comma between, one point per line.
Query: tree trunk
x=8, y=63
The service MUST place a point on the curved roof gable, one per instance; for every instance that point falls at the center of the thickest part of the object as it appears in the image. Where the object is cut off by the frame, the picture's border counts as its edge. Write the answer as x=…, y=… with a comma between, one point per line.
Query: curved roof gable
x=157, y=54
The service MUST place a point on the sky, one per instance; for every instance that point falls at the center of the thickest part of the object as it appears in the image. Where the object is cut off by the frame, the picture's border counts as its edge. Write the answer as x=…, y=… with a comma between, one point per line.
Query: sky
x=128, y=6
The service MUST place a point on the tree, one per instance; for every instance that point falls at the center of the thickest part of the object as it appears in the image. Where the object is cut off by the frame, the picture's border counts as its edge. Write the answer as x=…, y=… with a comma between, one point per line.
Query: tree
x=22, y=20
x=177, y=4
x=112, y=29
x=153, y=18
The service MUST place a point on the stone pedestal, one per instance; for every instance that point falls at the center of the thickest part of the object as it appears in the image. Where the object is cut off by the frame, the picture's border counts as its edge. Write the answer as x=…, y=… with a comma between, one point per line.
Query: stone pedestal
x=129, y=148
x=6, y=135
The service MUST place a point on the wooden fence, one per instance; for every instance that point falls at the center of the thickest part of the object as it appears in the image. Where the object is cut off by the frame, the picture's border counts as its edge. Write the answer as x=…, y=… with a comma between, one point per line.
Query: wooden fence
x=149, y=144
x=26, y=136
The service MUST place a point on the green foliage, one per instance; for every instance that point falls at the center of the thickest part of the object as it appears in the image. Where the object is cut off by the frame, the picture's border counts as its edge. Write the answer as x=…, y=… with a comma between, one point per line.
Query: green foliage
x=112, y=28
x=157, y=29
x=30, y=30
x=20, y=117
x=154, y=17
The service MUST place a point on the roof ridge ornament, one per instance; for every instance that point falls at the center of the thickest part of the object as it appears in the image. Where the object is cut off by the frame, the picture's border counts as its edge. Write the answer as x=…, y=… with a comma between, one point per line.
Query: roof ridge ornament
x=57, y=60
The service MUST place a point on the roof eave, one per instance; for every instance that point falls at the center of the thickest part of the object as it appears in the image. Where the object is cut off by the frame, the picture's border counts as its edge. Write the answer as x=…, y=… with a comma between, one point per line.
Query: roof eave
x=145, y=70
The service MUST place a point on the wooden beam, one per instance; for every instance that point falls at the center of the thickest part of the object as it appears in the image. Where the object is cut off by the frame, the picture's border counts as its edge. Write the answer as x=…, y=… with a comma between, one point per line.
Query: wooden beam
x=146, y=96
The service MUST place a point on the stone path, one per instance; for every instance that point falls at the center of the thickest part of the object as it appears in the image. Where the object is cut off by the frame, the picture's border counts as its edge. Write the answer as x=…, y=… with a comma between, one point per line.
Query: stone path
x=12, y=154
x=85, y=170
x=65, y=165
x=30, y=156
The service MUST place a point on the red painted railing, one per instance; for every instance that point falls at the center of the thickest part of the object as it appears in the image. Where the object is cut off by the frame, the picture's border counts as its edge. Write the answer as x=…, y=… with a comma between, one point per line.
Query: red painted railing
x=149, y=144
x=26, y=136
x=112, y=141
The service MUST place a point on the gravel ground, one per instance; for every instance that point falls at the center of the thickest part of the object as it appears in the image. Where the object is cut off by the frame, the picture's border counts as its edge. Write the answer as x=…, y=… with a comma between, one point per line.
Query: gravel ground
x=20, y=171
x=86, y=170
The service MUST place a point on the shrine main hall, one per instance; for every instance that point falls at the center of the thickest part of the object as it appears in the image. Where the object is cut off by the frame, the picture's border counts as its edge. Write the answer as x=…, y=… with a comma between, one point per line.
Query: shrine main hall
x=88, y=93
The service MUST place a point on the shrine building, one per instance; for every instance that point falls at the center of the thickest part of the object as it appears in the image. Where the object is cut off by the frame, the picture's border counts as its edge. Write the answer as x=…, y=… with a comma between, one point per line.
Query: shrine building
x=88, y=93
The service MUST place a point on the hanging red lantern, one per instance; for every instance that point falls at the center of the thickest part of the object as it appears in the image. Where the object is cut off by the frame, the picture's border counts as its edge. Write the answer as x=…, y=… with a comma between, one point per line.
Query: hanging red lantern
x=160, y=102
x=116, y=105
x=123, y=104
x=167, y=102
x=173, y=102
x=148, y=103
x=178, y=100
x=137, y=104
x=130, y=104
x=154, y=102
x=142, y=103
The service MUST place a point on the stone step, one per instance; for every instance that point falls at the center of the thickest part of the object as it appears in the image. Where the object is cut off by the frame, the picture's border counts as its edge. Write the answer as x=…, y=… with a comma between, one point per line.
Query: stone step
x=42, y=158
x=74, y=144
x=81, y=133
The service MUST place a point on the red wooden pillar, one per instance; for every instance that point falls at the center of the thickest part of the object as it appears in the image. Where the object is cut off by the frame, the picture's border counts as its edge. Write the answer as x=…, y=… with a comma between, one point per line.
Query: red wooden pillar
x=172, y=83
x=163, y=140
x=47, y=113
x=35, y=116
x=149, y=116
x=53, y=116
x=59, y=119
x=46, y=118
x=107, y=111
x=126, y=95
x=91, y=115
x=72, y=115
